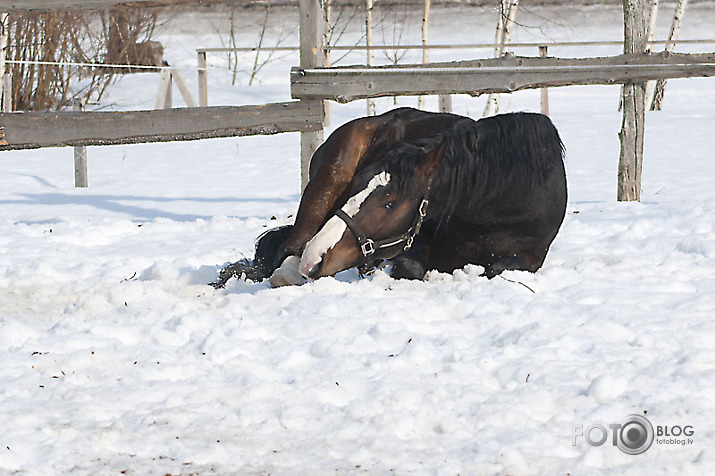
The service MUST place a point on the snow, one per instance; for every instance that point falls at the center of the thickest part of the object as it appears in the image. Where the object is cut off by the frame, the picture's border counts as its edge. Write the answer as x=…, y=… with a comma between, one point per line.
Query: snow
x=116, y=357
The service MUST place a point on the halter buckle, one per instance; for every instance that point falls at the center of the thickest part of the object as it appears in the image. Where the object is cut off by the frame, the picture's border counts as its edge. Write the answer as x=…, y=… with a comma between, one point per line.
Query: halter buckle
x=368, y=247
x=423, y=207
x=408, y=245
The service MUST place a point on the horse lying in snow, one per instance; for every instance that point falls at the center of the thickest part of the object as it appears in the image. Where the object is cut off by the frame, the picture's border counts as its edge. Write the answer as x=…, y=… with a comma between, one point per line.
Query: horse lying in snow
x=426, y=191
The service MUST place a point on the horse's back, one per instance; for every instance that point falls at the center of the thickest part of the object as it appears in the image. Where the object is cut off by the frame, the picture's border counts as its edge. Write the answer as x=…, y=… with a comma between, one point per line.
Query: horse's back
x=510, y=193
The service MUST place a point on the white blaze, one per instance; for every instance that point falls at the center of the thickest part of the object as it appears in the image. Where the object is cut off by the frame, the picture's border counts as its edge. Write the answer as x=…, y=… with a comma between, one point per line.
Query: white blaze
x=334, y=228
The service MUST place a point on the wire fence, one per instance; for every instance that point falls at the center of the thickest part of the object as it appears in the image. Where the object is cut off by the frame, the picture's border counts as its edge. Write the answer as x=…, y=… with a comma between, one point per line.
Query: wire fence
x=248, y=49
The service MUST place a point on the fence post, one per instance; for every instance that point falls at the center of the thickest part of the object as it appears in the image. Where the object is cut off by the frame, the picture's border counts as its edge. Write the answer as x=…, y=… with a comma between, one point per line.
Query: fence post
x=80, y=155
x=203, y=84
x=630, y=163
x=543, y=53
x=163, y=96
x=311, y=55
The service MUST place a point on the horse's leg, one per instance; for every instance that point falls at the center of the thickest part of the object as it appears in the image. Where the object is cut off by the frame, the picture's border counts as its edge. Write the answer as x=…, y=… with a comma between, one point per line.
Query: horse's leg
x=408, y=265
x=267, y=246
x=504, y=263
x=503, y=251
x=413, y=264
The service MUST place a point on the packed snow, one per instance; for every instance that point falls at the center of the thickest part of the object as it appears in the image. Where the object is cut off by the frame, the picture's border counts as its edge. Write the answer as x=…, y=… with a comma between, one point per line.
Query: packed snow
x=116, y=357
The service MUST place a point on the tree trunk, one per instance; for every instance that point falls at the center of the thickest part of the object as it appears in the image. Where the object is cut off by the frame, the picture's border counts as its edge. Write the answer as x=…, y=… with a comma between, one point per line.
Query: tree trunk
x=370, y=53
x=657, y=103
x=652, y=21
x=425, y=41
x=507, y=14
x=4, y=25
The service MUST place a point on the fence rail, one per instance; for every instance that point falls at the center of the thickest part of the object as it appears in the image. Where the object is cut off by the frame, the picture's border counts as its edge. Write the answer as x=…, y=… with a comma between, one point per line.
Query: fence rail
x=466, y=46
x=54, y=129
x=500, y=75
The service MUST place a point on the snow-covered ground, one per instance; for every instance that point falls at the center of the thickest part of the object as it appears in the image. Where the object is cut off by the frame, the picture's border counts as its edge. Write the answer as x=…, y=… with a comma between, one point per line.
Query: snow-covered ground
x=115, y=357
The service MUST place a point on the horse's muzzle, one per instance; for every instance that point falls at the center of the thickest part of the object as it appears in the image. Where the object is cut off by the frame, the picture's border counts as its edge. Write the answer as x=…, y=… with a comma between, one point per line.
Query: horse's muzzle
x=311, y=271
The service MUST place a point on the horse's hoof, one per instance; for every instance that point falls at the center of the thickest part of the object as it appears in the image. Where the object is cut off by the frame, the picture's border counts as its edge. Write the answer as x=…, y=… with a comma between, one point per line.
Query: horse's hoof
x=287, y=274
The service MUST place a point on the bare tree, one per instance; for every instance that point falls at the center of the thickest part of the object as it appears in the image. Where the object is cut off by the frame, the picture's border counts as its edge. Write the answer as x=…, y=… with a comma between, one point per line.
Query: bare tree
x=657, y=103
x=51, y=53
x=260, y=57
x=507, y=15
x=425, y=41
x=652, y=21
x=371, y=111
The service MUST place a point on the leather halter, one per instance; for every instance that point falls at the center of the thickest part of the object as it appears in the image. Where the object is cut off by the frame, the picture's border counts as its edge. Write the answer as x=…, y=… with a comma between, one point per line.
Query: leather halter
x=368, y=246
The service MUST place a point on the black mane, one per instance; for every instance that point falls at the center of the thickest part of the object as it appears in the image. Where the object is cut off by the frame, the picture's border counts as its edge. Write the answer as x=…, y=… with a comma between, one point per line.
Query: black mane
x=482, y=156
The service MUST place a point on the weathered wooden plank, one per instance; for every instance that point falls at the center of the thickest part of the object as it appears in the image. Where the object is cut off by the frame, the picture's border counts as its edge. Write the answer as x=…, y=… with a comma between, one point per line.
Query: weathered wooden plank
x=68, y=5
x=183, y=88
x=52, y=129
x=502, y=75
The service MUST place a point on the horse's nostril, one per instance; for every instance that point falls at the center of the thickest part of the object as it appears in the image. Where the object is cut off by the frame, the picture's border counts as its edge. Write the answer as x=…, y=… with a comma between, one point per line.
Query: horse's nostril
x=314, y=272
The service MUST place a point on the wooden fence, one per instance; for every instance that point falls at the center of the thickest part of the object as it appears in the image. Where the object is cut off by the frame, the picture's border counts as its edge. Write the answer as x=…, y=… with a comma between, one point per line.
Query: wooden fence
x=541, y=47
x=53, y=129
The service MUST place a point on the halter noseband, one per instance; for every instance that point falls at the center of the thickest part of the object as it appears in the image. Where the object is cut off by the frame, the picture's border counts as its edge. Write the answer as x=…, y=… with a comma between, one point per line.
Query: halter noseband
x=368, y=246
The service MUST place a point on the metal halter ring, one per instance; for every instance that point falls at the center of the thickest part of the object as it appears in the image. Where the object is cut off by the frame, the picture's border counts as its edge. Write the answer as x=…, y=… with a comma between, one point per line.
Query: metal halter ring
x=368, y=247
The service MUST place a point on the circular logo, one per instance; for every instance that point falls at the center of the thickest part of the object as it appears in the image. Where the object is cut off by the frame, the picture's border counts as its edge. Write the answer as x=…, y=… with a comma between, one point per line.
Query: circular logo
x=635, y=435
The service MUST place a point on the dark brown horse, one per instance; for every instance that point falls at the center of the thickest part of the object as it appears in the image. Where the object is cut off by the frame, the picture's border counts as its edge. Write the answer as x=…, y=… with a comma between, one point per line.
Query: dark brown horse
x=490, y=192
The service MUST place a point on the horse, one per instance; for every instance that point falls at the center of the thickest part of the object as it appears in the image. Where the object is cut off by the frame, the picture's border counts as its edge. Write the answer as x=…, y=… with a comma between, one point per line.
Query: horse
x=490, y=192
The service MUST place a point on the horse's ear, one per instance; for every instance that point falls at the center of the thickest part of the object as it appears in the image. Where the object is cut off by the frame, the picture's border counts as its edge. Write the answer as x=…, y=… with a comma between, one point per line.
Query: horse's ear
x=395, y=129
x=432, y=160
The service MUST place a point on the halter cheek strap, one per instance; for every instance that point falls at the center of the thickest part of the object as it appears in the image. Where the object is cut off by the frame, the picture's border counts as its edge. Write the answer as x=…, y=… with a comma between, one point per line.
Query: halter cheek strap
x=367, y=245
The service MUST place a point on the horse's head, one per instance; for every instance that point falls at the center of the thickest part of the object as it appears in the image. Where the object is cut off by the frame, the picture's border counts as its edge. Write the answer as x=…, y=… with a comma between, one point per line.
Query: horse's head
x=387, y=205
